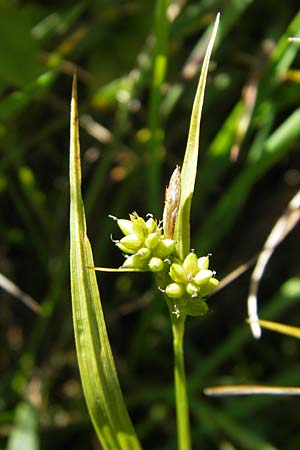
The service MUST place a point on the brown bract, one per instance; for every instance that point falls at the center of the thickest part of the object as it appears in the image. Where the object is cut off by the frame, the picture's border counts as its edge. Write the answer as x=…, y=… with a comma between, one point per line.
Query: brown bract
x=172, y=199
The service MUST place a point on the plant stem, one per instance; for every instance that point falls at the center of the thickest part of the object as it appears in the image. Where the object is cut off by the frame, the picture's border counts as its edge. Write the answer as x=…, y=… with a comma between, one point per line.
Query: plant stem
x=182, y=409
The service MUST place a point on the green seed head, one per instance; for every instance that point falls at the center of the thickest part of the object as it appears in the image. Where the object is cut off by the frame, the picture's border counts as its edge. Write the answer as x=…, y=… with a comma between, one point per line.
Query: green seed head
x=143, y=253
x=178, y=274
x=165, y=248
x=134, y=262
x=151, y=225
x=139, y=227
x=156, y=264
x=175, y=290
x=209, y=286
x=203, y=263
x=125, y=249
x=190, y=264
x=152, y=240
x=203, y=276
x=192, y=289
x=132, y=242
x=126, y=226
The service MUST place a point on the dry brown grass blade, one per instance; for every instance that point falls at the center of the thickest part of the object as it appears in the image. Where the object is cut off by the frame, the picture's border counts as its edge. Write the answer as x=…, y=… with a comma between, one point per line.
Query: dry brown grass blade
x=250, y=389
x=283, y=226
x=14, y=290
x=234, y=274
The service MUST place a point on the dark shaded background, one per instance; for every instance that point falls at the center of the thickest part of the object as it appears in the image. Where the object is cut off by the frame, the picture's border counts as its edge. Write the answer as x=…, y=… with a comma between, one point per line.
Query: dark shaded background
x=241, y=191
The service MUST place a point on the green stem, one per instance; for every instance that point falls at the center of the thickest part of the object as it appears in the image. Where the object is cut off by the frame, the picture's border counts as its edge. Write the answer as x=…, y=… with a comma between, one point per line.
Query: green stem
x=182, y=409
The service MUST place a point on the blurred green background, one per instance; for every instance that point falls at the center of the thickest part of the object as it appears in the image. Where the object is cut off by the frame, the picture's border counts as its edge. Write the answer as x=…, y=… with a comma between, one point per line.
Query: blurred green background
x=134, y=119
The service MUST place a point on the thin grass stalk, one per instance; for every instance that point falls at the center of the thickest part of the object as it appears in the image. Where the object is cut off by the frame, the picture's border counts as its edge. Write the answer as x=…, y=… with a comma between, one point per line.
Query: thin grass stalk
x=182, y=407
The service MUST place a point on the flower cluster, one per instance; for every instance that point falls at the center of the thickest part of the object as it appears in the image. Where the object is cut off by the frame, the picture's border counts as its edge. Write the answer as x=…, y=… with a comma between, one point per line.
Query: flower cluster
x=192, y=281
x=185, y=283
x=144, y=242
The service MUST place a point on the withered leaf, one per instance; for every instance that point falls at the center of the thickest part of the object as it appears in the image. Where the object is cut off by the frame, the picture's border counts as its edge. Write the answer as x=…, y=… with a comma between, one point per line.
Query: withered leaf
x=172, y=199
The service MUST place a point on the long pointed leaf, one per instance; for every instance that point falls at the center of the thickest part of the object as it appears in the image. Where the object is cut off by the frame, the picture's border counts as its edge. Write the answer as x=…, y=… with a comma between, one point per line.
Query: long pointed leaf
x=280, y=328
x=97, y=369
x=189, y=167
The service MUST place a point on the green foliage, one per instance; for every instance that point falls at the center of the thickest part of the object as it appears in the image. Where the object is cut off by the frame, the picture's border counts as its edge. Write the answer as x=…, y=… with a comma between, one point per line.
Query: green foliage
x=248, y=171
x=19, y=57
x=97, y=369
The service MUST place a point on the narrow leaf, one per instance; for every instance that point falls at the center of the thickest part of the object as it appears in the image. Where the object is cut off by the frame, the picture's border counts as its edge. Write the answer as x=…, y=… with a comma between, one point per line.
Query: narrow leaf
x=279, y=327
x=251, y=389
x=189, y=168
x=120, y=269
x=97, y=369
x=283, y=226
x=14, y=290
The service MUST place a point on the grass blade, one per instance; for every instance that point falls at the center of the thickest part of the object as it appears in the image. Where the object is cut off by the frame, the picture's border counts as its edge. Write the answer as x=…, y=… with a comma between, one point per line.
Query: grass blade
x=250, y=389
x=283, y=226
x=189, y=168
x=288, y=330
x=97, y=369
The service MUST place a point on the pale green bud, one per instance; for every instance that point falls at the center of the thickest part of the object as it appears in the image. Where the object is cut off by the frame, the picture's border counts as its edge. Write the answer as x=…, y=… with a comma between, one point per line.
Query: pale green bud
x=125, y=249
x=131, y=242
x=209, y=286
x=190, y=264
x=156, y=264
x=178, y=274
x=139, y=227
x=192, y=289
x=203, y=262
x=175, y=290
x=203, y=276
x=143, y=253
x=152, y=240
x=134, y=262
x=151, y=225
x=126, y=226
x=165, y=248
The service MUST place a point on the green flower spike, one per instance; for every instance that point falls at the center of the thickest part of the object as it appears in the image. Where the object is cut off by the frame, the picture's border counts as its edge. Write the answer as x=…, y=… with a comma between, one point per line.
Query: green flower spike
x=156, y=264
x=178, y=274
x=135, y=262
x=203, y=276
x=144, y=241
x=131, y=242
x=126, y=226
x=164, y=248
x=203, y=262
x=190, y=264
x=197, y=282
x=175, y=290
x=152, y=240
x=192, y=289
x=151, y=225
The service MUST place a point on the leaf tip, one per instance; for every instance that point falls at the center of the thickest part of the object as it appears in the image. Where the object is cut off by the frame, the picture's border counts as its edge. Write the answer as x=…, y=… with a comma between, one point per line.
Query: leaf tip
x=74, y=87
x=255, y=327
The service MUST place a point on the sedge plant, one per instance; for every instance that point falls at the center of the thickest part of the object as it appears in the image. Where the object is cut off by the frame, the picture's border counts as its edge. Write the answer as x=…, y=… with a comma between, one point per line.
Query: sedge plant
x=162, y=247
